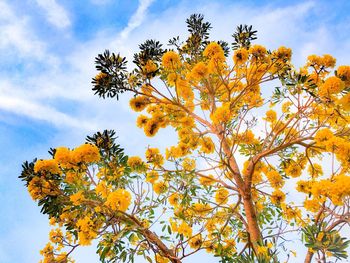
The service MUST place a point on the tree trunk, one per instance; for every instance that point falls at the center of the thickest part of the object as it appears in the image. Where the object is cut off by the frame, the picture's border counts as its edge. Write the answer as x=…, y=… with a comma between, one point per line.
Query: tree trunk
x=245, y=191
x=253, y=227
x=308, y=257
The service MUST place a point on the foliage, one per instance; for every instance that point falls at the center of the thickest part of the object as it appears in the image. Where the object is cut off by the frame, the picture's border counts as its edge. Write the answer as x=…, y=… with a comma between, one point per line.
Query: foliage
x=228, y=186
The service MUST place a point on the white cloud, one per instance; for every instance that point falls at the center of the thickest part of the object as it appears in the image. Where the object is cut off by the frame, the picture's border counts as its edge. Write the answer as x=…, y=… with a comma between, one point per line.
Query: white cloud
x=137, y=18
x=16, y=34
x=73, y=84
x=55, y=13
x=41, y=112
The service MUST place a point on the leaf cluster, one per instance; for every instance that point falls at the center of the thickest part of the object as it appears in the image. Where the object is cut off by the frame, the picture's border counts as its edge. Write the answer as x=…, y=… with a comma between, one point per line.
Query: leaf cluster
x=330, y=240
x=243, y=36
x=113, y=78
x=149, y=50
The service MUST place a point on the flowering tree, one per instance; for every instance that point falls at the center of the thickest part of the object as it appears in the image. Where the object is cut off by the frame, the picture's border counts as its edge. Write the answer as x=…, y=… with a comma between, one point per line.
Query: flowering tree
x=254, y=166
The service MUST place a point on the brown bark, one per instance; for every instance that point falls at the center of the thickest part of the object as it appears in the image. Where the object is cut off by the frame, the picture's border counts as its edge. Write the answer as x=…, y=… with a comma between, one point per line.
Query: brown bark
x=245, y=191
x=253, y=227
x=309, y=256
x=154, y=239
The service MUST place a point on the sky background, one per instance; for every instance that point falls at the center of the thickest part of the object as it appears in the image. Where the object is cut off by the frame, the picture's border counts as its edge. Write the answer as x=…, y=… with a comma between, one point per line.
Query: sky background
x=47, y=50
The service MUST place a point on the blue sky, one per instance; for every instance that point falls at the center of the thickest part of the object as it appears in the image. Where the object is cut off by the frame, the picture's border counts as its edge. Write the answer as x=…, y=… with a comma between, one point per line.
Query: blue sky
x=47, y=49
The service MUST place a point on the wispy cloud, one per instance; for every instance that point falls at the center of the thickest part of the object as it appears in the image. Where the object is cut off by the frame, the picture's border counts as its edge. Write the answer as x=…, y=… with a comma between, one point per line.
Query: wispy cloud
x=16, y=34
x=38, y=111
x=61, y=83
x=137, y=18
x=55, y=13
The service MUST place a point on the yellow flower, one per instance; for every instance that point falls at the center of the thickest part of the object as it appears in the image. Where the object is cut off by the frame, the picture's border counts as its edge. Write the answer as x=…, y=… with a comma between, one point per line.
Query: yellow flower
x=286, y=106
x=262, y=250
x=332, y=85
x=151, y=127
x=56, y=236
x=171, y=78
x=136, y=163
x=160, y=187
x=63, y=157
x=102, y=189
x=101, y=78
x=184, y=229
x=174, y=199
x=199, y=71
x=222, y=114
x=221, y=196
x=196, y=241
x=277, y=197
x=275, y=179
x=86, y=230
x=271, y=116
x=139, y=103
x=152, y=176
x=208, y=180
x=312, y=205
x=240, y=56
x=119, y=200
x=343, y=72
x=247, y=138
x=171, y=60
x=38, y=188
x=293, y=169
x=214, y=50
x=86, y=153
x=188, y=164
x=304, y=186
x=315, y=170
x=283, y=53
x=318, y=62
x=150, y=67
x=314, y=60
x=328, y=61
x=207, y=145
x=344, y=101
x=50, y=166
x=291, y=213
x=52, y=221
x=184, y=90
x=323, y=136
x=257, y=51
x=161, y=259
x=146, y=89
x=201, y=209
x=153, y=156
x=47, y=250
x=77, y=198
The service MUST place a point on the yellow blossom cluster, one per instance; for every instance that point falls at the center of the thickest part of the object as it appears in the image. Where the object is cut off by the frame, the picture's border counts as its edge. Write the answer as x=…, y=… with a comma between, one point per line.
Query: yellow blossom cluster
x=154, y=157
x=49, y=166
x=119, y=200
x=86, y=230
x=221, y=196
x=171, y=60
x=136, y=163
x=85, y=153
x=39, y=187
x=335, y=189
